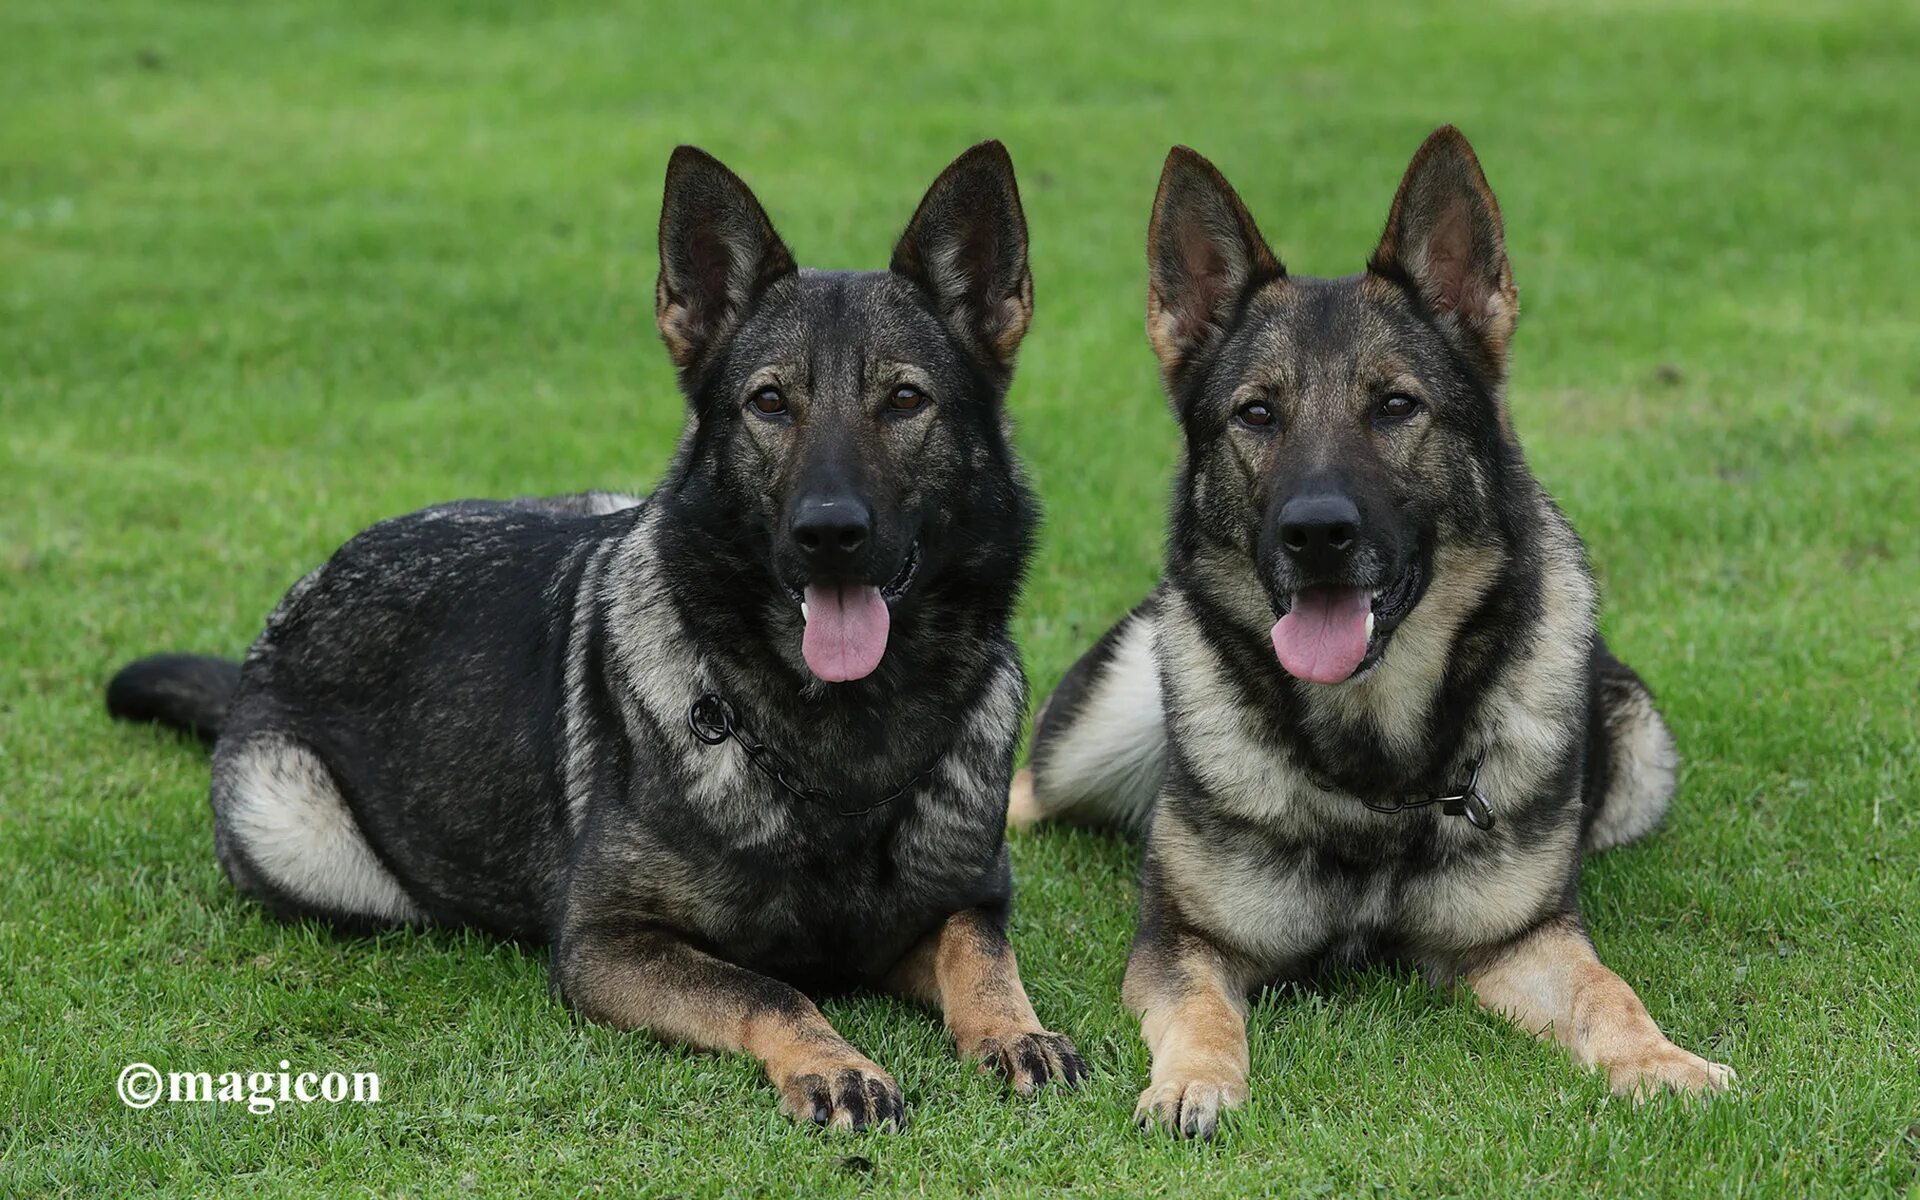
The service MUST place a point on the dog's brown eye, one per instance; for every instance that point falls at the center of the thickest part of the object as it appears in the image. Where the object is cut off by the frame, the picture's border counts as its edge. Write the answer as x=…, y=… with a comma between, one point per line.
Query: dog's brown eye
x=1255, y=413
x=1398, y=407
x=769, y=402
x=906, y=398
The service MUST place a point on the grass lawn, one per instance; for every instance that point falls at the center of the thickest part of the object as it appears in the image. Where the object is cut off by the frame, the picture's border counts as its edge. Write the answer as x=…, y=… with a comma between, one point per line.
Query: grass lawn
x=271, y=272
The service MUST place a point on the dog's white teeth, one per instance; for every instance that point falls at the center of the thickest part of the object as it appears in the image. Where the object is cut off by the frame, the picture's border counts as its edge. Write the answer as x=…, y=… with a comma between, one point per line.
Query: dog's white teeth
x=803, y=610
x=1369, y=626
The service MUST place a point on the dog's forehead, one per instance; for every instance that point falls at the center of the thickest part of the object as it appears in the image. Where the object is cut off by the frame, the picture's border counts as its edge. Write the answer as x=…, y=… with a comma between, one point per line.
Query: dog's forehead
x=1311, y=335
x=871, y=316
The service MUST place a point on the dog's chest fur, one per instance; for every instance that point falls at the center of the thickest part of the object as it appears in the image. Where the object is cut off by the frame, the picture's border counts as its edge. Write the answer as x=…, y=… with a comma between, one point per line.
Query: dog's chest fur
x=1280, y=862
x=699, y=837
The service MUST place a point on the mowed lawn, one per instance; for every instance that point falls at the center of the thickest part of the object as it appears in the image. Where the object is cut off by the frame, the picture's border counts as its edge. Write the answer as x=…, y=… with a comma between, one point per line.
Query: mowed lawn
x=271, y=272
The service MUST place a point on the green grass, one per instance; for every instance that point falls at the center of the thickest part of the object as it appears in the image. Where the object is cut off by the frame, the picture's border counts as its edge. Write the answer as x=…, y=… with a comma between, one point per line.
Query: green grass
x=269, y=273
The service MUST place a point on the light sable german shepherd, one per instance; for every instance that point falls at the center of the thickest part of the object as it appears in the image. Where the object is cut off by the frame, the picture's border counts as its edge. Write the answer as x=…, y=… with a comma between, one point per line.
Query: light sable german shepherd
x=1444, y=734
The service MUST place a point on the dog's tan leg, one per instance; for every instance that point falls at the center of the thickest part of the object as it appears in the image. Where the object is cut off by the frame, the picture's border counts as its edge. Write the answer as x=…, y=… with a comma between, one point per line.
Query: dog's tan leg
x=647, y=978
x=1552, y=984
x=1193, y=1015
x=967, y=969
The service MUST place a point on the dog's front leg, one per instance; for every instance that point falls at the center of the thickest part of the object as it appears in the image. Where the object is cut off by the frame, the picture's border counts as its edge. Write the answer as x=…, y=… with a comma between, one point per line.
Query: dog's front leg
x=1552, y=984
x=644, y=977
x=1193, y=1015
x=967, y=969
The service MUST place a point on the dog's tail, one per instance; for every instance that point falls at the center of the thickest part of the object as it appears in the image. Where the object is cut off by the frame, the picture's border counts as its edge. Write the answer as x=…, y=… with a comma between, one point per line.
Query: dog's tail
x=186, y=691
x=1099, y=750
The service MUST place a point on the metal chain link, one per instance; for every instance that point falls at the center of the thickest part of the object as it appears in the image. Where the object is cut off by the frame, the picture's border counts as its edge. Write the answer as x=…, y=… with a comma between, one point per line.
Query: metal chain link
x=713, y=721
x=1468, y=802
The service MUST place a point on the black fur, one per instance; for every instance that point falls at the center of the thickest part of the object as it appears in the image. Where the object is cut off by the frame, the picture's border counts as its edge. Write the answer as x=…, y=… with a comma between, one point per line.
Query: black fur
x=187, y=691
x=497, y=691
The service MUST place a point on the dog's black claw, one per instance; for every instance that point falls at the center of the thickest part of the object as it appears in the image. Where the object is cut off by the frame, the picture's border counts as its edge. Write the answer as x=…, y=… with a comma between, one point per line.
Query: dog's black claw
x=851, y=1096
x=1031, y=1061
x=1193, y=1109
x=1034, y=1064
x=885, y=1105
x=1074, y=1070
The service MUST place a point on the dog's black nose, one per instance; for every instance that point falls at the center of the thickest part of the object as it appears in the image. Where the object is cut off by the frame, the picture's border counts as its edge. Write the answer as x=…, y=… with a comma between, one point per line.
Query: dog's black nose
x=1319, y=530
x=831, y=531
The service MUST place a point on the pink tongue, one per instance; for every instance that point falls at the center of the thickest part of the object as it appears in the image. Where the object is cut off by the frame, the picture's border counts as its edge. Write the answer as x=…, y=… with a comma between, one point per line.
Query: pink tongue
x=846, y=631
x=1324, y=637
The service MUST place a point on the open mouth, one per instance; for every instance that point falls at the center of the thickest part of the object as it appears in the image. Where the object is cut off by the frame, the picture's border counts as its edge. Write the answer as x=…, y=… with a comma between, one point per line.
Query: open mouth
x=847, y=623
x=1331, y=634
x=897, y=587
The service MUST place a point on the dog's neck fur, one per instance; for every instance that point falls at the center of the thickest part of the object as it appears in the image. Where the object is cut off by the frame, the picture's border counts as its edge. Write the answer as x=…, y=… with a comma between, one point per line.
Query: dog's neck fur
x=1487, y=598
x=695, y=611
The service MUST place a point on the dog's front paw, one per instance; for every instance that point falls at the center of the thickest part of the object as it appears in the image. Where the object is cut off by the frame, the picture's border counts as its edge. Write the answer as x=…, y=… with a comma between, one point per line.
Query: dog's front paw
x=844, y=1093
x=1666, y=1067
x=1189, y=1108
x=1030, y=1061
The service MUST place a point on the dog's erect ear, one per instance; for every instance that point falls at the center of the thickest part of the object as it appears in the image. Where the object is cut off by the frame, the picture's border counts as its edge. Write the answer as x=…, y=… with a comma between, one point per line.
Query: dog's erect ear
x=718, y=251
x=967, y=247
x=1204, y=253
x=1444, y=240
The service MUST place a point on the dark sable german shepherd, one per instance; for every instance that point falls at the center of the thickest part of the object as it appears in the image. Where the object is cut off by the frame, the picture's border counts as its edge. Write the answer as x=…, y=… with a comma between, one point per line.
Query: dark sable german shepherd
x=749, y=735
x=1353, y=503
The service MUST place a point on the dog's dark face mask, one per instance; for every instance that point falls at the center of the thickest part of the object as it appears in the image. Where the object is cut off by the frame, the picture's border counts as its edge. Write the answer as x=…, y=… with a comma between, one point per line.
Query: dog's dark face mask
x=1340, y=432
x=849, y=423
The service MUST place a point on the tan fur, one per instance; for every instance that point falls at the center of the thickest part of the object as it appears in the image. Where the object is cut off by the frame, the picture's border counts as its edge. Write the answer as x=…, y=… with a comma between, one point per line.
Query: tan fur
x=1243, y=903
x=1009, y=324
x=1551, y=984
x=679, y=328
x=1193, y=1015
x=968, y=970
x=1485, y=902
x=1023, y=808
x=681, y=994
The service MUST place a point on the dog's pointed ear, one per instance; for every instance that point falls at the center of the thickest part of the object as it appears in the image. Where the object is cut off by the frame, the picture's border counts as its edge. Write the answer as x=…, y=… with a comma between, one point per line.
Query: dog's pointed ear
x=718, y=252
x=1204, y=253
x=1444, y=240
x=967, y=248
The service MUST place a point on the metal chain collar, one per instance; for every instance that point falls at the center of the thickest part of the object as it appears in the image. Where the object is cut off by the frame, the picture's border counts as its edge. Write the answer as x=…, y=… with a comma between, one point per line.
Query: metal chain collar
x=713, y=721
x=1469, y=802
